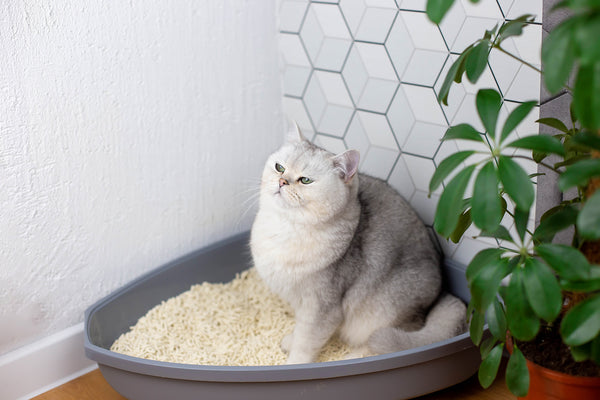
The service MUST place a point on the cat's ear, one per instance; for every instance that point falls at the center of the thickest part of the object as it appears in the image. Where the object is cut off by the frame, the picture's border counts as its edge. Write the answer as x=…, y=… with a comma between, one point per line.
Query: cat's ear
x=294, y=134
x=347, y=164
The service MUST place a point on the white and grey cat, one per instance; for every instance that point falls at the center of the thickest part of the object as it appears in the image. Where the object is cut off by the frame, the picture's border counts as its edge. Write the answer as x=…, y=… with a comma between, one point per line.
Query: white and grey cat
x=349, y=255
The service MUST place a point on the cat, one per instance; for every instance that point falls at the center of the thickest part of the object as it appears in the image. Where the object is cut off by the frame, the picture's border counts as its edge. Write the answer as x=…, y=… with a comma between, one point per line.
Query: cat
x=349, y=255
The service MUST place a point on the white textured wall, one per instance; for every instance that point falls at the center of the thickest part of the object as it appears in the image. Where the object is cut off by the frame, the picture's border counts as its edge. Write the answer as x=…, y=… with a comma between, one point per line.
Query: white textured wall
x=130, y=134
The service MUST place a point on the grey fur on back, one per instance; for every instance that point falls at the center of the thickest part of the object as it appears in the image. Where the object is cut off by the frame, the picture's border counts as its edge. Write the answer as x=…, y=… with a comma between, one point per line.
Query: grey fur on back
x=367, y=268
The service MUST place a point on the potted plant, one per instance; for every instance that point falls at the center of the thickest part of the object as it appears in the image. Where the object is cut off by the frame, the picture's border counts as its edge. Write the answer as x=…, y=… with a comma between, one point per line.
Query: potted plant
x=553, y=290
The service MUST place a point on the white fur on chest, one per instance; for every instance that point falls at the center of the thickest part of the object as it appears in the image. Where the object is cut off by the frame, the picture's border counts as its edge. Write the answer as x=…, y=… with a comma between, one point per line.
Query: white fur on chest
x=286, y=255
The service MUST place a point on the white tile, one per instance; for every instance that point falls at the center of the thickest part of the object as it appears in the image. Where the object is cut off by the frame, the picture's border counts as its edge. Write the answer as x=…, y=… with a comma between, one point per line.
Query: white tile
x=353, y=11
x=292, y=51
x=416, y=5
x=381, y=3
x=376, y=61
x=377, y=95
x=378, y=130
x=355, y=74
x=332, y=54
x=420, y=169
x=472, y=29
x=424, y=139
x=379, y=162
x=356, y=138
x=452, y=24
x=467, y=114
x=326, y=36
x=526, y=85
x=294, y=110
x=399, y=46
x=400, y=179
x=424, y=105
x=483, y=8
x=312, y=35
x=425, y=206
x=485, y=81
x=295, y=79
x=519, y=8
x=334, y=145
x=314, y=99
x=331, y=20
x=400, y=116
x=375, y=24
x=505, y=69
x=330, y=1
x=505, y=5
x=335, y=119
x=467, y=249
x=424, y=33
x=333, y=88
x=529, y=44
x=291, y=13
x=424, y=67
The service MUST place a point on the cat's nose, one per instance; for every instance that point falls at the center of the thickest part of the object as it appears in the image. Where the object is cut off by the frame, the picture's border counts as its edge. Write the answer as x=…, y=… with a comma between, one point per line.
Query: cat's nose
x=283, y=182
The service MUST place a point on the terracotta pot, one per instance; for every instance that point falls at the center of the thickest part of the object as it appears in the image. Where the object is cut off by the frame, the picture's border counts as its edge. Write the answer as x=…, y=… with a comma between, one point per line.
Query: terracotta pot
x=545, y=384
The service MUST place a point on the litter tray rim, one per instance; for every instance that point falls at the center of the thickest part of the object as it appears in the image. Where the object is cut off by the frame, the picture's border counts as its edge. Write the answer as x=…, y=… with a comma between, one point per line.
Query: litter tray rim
x=264, y=373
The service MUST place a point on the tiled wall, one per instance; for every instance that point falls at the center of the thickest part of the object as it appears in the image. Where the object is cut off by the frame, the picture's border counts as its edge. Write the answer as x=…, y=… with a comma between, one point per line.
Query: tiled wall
x=364, y=74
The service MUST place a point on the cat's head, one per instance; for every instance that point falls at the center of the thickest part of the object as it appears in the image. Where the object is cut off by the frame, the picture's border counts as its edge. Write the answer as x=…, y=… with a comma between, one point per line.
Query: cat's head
x=304, y=179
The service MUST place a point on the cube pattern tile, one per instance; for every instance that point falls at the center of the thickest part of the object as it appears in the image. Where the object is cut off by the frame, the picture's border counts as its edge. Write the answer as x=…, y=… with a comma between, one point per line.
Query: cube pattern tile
x=365, y=74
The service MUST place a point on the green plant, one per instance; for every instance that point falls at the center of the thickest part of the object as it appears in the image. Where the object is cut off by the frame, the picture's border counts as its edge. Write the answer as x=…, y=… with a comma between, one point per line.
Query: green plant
x=542, y=274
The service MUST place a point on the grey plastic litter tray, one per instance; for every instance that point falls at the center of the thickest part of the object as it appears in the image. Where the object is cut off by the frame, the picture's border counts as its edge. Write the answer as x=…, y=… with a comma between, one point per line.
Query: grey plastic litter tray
x=393, y=376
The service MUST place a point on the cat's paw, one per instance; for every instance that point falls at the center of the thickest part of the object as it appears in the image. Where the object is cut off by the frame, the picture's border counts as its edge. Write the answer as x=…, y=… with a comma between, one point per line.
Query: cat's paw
x=286, y=343
x=296, y=357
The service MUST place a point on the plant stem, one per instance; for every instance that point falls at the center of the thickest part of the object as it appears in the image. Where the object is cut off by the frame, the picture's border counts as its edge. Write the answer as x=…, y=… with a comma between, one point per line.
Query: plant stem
x=518, y=59
x=550, y=167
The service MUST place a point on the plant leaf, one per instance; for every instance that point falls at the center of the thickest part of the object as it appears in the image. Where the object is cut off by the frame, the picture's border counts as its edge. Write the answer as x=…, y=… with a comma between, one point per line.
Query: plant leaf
x=554, y=223
x=446, y=167
x=586, y=101
x=463, y=131
x=436, y=9
x=558, y=56
x=496, y=320
x=554, y=123
x=454, y=75
x=521, y=221
x=514, y=27
x=477, y=60
x=516, y=182
x=481, y=260
x=476, y=327
x=586, y=139
x=579, y=173
x=517, y=374
x=499, y=233
x=486, y=209
x=484, y=286
x=569, y=262
x=588, y=221
x=595, y=350
x=450, y=203
x=591, y=285
x=522, y=321
x=542, y=289
x=488, y=102
x=515, y=118
x=489, y=366
x=587, y=32
x=582, y=323
x=464, y=221
x=541, y=143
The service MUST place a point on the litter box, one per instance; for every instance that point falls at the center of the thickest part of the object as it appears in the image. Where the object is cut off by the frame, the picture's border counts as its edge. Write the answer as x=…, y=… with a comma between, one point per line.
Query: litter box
x=393, y=376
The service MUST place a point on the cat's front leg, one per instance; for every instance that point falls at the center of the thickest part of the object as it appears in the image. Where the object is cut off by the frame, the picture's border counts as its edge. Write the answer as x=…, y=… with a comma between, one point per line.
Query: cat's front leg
x=314, y=327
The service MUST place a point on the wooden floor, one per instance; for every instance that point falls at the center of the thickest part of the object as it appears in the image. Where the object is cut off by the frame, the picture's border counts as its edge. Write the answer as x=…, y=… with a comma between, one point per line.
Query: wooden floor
x=92, y=386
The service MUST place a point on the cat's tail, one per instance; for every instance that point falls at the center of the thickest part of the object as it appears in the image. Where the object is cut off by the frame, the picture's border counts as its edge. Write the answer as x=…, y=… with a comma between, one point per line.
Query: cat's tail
x=446, y=319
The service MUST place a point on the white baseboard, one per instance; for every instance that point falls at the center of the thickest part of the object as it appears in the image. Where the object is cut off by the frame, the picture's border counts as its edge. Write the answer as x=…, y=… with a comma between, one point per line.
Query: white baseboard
x=43, y=365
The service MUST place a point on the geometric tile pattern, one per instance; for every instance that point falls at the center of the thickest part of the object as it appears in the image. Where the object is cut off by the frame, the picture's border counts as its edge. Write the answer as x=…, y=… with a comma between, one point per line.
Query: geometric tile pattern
x=365, y=74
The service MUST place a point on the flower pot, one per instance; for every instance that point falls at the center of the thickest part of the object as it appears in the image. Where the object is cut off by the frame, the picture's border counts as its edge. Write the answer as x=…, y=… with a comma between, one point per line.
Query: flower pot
x=545, y=384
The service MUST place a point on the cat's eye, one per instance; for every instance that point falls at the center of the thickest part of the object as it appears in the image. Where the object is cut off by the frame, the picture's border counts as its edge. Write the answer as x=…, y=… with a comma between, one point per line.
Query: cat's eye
x=279, y=168
x=305, y=180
